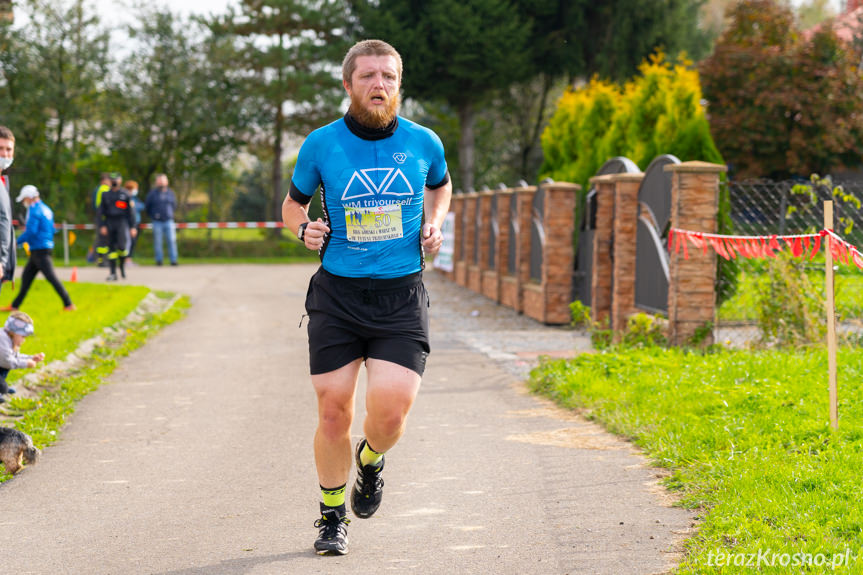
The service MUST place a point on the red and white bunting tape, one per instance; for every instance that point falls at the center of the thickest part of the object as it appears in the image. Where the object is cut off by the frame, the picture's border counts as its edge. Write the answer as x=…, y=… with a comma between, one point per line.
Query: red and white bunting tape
x=190, y=225
x=730, y=247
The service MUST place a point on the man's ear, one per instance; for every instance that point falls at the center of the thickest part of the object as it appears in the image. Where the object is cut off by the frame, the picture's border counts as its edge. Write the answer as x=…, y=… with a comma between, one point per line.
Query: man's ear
x=347, y=86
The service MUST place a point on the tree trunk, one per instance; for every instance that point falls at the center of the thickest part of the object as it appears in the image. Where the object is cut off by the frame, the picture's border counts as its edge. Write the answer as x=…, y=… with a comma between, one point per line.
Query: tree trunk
x=534, y=137
x=466, y=146
x=277, y=168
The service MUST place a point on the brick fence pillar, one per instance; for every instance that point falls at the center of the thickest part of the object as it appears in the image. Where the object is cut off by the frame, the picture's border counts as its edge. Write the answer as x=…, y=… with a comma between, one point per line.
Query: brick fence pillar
x=549, y=300
x=512, y=280
x=601, y=268
x=522, y=215
x=474, y=216
x=504, y=239
x=625, y=225
x=469, y=223
x=483, y=222
x=491, y=246
x=457, y=206
x=692, y=282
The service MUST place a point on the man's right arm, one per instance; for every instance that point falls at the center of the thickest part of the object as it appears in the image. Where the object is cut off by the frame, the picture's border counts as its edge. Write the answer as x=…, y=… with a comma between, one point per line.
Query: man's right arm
x=295, y=208
x=295, y=212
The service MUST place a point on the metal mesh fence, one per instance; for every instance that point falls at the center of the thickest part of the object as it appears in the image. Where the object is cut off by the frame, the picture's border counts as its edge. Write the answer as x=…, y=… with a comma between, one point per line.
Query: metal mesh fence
x=780, y=301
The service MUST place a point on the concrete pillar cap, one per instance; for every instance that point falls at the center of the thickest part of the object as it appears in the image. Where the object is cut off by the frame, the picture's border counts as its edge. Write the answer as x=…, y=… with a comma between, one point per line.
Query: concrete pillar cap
x=691, y=167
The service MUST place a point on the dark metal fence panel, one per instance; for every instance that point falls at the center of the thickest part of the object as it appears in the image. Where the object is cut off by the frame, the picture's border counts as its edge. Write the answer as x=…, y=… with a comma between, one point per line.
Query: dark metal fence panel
x=537, y=235
x=465, y=230
x=651, y=255
x=493, y=233
x=477, y=230
x=582, y=272
x=512, y=261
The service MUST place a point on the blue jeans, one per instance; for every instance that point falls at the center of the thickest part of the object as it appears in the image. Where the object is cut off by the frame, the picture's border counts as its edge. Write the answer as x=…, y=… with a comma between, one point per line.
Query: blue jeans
x=162, y=230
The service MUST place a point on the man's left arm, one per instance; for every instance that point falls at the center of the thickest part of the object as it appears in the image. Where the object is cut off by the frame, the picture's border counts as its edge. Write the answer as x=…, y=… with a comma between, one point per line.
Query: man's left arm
x=436, y=205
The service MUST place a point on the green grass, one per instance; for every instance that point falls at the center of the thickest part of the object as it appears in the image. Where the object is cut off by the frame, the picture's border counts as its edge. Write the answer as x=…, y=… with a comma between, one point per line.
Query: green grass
x=747, y=437
x=744, y=304
x=59, y=333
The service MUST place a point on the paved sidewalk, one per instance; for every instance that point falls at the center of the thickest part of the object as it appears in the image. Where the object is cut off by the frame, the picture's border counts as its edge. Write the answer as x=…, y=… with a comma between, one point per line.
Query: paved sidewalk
x=195, y=457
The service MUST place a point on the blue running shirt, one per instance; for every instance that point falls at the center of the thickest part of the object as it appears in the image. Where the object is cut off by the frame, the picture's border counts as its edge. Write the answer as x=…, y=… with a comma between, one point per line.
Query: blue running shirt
x=372, y=193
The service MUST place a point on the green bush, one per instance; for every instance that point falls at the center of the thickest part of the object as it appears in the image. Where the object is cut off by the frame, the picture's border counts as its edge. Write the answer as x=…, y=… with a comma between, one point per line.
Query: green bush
x=658, y=112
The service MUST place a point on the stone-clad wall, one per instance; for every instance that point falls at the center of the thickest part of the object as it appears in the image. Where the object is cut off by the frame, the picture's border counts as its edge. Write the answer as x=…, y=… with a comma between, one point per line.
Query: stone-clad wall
x=691, y=293
x=547, y=300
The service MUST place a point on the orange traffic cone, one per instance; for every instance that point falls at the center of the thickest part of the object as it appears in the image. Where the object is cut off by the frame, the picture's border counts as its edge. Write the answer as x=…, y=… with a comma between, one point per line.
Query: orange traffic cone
x=74, y=277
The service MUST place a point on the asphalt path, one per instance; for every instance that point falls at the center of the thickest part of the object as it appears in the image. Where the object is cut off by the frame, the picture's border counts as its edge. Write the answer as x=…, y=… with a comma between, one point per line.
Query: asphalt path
x=195, y=457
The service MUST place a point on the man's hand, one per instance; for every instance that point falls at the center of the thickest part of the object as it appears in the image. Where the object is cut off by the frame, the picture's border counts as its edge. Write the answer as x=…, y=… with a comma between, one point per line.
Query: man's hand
x=315, y=233
x=432, y=239
x=134, y=232
x=39, y=357
x=103, y=231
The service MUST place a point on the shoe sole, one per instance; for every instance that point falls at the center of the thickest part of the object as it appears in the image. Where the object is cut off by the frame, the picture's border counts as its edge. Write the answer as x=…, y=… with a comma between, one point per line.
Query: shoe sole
x=324, y=552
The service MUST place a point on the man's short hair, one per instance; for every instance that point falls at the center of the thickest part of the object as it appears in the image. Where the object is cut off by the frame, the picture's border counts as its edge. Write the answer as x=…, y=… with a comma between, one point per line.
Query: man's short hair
x=368, y=48
x=6, y=134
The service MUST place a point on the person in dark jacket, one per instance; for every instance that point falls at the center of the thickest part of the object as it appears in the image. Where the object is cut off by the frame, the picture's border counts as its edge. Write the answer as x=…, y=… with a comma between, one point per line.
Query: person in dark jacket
x=117, y=222
x=7, y=232
x=161, y=204
x=39, y=236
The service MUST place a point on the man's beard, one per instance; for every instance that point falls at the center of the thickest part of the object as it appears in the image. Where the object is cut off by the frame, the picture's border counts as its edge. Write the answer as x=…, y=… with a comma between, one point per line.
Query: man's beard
x=376, y=118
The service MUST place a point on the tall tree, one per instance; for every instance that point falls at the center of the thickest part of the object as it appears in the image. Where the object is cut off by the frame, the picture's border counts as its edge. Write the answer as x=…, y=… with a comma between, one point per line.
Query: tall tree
x=288, y=55
x=493, y=53
x=454, y=51
x=780, y=105
x=50, y=85
x=171, y=81
x=814, y=12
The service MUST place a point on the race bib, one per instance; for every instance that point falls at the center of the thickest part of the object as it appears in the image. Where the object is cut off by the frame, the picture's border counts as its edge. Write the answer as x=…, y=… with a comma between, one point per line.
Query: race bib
x=374, y=224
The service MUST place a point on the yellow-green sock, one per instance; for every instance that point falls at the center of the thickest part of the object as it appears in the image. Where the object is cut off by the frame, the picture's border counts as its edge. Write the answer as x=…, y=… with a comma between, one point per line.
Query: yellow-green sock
x=369, y=456
x=334, y=497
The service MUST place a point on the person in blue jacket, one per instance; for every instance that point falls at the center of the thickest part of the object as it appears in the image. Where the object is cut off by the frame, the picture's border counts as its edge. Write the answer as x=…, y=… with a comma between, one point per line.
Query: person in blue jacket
x=39, y=236
x=161, y=203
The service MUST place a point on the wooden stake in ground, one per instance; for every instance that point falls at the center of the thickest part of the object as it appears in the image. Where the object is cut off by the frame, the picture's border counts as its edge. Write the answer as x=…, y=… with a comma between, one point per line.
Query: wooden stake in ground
x=830, y=304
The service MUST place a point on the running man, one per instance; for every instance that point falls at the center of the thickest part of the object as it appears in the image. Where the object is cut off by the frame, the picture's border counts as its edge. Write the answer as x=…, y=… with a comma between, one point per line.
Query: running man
x=385, y=190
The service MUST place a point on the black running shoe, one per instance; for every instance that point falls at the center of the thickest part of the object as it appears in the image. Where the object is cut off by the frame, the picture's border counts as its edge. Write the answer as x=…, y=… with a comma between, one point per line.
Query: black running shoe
x=333, y=531
x=368, y=489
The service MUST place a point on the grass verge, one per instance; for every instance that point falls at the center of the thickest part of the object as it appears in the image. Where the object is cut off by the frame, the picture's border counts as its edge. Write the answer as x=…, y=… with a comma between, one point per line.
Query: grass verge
x=747, y=438
x=43, y=415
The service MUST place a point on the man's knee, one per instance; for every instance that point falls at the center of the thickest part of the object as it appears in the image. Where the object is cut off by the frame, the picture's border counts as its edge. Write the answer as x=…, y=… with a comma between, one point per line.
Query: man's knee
x=387, y=412
x=334, y=417
x=388, y=422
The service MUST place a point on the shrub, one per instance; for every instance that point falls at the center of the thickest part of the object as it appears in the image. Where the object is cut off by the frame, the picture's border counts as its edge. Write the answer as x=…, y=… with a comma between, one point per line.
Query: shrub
x=658, y=112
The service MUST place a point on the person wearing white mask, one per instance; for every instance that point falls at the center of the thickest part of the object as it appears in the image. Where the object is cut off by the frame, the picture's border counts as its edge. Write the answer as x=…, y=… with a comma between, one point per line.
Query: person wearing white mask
x=7, y=232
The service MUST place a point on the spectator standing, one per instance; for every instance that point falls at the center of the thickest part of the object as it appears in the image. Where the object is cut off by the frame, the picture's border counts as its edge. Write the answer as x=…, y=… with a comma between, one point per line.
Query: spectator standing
x=116, y=223
x=39, y=236
x=161, y=204
x=137, y=208
x=99, y=246
x=7, y=232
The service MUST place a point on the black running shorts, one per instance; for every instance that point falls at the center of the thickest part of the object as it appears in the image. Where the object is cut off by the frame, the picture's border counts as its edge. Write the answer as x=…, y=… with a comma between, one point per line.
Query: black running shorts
x=352, y=318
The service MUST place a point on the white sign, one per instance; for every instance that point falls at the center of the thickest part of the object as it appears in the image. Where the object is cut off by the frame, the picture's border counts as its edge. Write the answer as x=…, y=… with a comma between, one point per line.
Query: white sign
x=444, y=258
